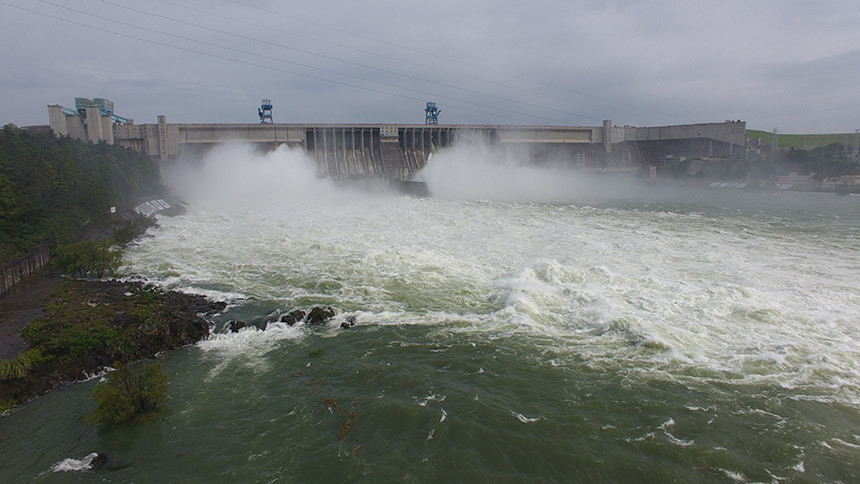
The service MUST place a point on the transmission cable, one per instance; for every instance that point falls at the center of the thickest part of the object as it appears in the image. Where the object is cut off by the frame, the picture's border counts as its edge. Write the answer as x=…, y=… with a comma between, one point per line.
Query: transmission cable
x=359, y=64
x=450, y=73
x=445, y=58
x=233, y=49
x=239, y=61
x=334, y=44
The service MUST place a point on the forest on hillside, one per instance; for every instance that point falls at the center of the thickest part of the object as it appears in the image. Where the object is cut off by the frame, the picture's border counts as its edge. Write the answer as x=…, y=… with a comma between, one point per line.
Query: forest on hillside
x=55, y=189
x=823, y=161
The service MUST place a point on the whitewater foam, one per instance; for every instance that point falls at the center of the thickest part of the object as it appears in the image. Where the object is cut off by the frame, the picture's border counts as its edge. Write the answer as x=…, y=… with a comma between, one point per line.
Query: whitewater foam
x=75, y=465
x=250, y=340
x=702, y=294
x=433, y=397
x=522, y=418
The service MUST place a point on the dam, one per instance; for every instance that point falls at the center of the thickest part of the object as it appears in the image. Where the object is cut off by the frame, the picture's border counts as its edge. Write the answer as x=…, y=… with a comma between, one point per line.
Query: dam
x=397, y=151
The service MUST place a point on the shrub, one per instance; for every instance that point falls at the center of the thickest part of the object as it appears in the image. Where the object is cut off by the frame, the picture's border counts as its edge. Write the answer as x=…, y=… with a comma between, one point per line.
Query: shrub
x=130, y=394
x=151, y=293
x=131, y=229
x=20, y=366
x=75, y=343
x=14, y=369
x=88, y=258
x=38, y=332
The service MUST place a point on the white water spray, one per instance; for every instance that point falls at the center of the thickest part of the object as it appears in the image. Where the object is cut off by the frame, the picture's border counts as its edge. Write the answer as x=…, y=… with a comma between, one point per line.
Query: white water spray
x=477, y=170
x=236, y=178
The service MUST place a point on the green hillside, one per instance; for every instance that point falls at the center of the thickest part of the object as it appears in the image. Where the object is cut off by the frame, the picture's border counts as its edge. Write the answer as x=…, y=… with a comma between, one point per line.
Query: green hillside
x=801, y=140
x=52, y=189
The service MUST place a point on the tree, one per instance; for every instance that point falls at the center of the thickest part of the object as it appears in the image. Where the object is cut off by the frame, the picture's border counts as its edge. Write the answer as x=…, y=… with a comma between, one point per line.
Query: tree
x=54, y=189
x=131, y=394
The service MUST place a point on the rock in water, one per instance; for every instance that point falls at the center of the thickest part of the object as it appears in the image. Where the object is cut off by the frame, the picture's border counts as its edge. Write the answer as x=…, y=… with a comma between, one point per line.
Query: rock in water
x=293, y=317
x=260, y=323
x=350, y=322
x=320, y=315
x=98, y=462
x=235, y=326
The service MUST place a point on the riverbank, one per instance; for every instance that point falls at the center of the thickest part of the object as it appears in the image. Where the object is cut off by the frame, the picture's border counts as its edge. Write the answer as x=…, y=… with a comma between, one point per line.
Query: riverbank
x=23, y=303
x=86, y=326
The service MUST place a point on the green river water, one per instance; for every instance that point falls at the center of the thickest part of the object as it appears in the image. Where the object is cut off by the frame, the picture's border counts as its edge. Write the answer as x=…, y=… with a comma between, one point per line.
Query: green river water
x=520, y=326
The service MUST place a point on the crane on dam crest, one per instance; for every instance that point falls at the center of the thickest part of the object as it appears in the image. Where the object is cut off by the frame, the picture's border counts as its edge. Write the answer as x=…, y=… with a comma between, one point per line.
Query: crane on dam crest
x=265, y=112
x=431, y=113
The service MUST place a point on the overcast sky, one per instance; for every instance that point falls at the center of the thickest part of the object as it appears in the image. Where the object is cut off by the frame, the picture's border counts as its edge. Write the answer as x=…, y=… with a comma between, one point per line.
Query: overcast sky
x=792, y=65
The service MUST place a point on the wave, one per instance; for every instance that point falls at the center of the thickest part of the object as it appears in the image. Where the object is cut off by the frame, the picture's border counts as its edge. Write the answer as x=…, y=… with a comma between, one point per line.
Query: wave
x=75, y=465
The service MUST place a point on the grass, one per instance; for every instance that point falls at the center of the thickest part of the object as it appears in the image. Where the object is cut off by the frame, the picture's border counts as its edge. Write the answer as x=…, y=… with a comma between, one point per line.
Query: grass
x=20, y=366
x=801, y=140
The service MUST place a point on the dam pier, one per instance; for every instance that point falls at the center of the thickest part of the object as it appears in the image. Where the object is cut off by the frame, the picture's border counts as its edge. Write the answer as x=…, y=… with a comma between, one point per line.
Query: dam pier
x=398, y=151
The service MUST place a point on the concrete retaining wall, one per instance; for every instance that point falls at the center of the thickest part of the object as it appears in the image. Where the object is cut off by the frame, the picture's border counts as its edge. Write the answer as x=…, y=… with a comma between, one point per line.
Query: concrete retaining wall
x=13, y=272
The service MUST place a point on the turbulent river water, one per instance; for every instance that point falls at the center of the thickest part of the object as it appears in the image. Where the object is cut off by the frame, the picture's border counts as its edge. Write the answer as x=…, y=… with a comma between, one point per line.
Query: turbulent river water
x=519, y=325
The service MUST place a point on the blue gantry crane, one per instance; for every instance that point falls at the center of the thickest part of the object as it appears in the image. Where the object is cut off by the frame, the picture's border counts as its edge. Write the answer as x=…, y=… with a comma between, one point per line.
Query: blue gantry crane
x=432, y=113
x=265, y=112
x=105, y=109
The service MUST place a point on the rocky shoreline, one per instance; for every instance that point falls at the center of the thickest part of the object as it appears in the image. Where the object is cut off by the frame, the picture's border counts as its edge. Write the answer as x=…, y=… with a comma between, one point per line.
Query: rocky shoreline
x=88, y=325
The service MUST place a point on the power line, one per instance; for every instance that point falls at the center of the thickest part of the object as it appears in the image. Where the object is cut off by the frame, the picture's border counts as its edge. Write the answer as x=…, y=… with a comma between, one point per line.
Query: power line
x=233, y=49
x=328, y=42
x=448, y=72
x=358, y=64
x=445, y=58
x=230, y=59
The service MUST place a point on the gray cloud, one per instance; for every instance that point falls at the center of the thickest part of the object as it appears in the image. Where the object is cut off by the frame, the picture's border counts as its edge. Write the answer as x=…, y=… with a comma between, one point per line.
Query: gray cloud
x=790, y=65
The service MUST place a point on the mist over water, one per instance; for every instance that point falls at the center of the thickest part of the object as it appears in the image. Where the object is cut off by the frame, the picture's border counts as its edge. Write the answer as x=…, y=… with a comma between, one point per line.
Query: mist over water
x=236, y=177
x=476, y=170
x=520, y=324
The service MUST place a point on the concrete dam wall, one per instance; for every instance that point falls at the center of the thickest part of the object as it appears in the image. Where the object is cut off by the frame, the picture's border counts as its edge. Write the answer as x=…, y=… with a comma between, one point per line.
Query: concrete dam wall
x=398, y=151
x=394, y=152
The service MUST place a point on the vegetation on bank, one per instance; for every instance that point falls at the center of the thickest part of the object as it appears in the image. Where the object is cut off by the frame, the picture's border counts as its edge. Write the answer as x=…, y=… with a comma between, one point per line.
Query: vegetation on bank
x=89, y=325
x=801, y=141
x=21, y=365
x=94, y=327
x=82, y=335
x=89, y=258
x=102, y=257
x=61, y=190
x=56, y=189
x=824, y=161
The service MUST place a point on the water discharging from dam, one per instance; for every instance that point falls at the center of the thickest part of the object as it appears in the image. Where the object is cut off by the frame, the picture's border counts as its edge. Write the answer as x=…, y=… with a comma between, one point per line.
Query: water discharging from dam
x=508, y=330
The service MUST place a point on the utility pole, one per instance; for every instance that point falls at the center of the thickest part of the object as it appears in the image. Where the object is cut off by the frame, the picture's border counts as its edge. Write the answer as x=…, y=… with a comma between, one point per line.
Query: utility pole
x=774, y=145
x=856, y=154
